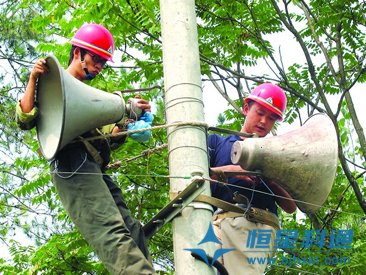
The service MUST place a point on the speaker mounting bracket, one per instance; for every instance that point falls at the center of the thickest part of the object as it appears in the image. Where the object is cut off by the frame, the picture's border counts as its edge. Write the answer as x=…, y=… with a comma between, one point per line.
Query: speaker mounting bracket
x=174, y=207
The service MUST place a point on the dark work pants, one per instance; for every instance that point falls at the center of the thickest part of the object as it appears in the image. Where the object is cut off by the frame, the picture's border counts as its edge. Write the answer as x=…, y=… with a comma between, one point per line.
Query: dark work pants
x=96, y=206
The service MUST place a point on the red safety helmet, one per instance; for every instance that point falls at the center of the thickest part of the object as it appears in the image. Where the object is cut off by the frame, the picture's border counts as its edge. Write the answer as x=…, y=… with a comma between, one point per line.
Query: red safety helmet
x=269, y=96
x=95, y=38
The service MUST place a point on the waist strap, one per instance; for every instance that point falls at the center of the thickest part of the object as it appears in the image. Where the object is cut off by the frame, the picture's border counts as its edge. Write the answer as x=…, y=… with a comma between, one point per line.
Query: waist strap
x=93, y=152
x=252, y=214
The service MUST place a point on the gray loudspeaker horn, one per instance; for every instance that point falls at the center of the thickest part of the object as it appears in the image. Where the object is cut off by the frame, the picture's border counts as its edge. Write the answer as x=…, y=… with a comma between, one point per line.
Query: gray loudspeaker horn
x=69, y=108
x=303, y=161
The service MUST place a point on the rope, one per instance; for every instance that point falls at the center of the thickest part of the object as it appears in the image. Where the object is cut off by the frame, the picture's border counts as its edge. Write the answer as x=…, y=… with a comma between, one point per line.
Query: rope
x=197, y=124
x=143, y=153
x=125, y=133
x=175, y=124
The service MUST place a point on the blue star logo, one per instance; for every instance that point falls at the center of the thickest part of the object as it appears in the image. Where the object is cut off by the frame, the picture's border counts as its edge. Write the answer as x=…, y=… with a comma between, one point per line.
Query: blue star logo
x=210, y=237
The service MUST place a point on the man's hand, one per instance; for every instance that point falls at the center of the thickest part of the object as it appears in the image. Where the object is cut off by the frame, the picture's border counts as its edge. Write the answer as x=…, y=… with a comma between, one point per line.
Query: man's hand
x=143, y=104
x=286, y=202
x=27, y=101
x=219, y=172
x=39, y=68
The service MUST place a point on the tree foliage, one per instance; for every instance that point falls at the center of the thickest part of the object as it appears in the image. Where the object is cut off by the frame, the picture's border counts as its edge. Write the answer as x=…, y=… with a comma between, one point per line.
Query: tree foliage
x=235, y=37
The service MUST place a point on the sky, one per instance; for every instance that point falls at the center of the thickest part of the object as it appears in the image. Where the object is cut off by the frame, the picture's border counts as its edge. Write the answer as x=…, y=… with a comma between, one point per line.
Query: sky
x=291, y=53
x=216, y=104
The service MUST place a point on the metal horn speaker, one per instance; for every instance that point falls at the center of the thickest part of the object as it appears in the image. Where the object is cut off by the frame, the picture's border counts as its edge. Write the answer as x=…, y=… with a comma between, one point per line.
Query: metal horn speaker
x=69, y=108
x=303, y=161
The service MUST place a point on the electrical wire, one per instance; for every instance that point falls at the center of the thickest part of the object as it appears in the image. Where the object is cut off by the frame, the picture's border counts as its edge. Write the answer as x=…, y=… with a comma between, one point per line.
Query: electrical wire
x=219, y=182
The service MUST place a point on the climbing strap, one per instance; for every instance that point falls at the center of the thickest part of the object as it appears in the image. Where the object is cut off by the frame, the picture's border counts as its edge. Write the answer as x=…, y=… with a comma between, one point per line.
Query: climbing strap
x=93, y=152
x=252, y=214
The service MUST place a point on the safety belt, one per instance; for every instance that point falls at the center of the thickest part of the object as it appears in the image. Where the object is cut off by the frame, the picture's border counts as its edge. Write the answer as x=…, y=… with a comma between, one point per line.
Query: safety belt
x=252, y=214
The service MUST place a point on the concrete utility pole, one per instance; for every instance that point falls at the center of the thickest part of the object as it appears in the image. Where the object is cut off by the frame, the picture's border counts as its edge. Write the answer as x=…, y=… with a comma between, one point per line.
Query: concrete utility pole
x=187, y=144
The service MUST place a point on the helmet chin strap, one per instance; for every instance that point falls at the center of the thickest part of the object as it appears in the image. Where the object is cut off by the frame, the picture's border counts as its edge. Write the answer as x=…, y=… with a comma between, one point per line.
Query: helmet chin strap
x=88, y=76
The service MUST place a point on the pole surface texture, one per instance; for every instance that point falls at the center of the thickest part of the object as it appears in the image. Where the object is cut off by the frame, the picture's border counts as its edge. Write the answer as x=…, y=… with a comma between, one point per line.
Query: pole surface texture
x=187, y=144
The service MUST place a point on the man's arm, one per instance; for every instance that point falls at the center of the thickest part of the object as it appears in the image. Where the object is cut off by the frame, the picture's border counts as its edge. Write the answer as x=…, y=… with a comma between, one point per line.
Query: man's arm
x=27, y=102
x=285, y=201
x=218, y=172
x=26, y=111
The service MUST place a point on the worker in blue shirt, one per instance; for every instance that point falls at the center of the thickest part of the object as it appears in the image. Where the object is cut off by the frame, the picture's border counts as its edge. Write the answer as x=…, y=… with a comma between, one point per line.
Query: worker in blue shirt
x=263, y=108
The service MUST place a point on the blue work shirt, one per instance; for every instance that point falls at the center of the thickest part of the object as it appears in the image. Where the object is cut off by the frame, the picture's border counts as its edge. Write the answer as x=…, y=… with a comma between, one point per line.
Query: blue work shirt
x=219, y=148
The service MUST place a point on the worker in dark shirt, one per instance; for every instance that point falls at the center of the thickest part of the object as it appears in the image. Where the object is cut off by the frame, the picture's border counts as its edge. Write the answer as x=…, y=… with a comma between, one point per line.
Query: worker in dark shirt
x=93, y=201
x=263, y=108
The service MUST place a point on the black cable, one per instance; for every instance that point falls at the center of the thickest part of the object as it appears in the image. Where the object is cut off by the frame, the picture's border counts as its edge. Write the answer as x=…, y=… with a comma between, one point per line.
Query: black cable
x=222, y=270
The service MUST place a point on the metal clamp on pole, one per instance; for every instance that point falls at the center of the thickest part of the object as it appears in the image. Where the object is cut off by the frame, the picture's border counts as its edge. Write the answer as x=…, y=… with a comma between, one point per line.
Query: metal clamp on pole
x=174, y=207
